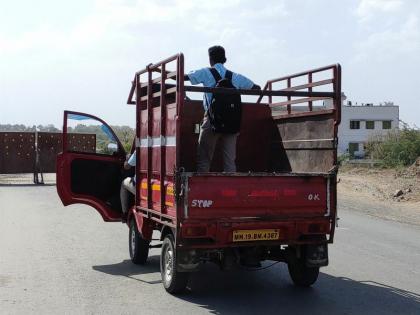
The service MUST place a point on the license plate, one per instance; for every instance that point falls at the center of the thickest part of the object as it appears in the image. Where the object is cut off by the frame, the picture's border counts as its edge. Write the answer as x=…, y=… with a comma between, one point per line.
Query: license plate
x=256, y=235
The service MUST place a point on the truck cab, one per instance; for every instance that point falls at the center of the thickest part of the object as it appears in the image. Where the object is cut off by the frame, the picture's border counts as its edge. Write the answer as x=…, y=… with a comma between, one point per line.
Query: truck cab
x=280, y=205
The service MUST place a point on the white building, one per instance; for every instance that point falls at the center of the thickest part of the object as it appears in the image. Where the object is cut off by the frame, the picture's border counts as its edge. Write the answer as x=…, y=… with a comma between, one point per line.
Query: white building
x=359, y=122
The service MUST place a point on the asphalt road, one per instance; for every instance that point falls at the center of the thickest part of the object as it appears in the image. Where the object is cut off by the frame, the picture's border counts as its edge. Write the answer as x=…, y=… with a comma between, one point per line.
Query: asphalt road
x=65, y=260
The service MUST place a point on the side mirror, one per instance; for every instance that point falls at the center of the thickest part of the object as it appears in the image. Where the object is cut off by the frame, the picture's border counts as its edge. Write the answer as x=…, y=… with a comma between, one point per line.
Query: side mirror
x=112, y=147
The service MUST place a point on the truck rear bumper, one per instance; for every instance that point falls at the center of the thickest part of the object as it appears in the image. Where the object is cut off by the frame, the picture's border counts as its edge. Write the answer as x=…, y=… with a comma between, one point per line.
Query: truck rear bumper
x=237, y=233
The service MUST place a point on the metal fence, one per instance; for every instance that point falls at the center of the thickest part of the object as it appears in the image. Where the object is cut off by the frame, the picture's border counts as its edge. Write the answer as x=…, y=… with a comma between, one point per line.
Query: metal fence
x=35, y=152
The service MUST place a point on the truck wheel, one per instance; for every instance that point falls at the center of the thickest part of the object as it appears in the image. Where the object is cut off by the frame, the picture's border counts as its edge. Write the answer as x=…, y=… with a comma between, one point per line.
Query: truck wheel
x=139, y=247
x=302, y=275
x=173, y=281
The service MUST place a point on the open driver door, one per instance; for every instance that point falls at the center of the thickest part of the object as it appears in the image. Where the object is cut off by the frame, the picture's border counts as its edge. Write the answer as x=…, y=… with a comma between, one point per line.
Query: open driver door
x=90, y=168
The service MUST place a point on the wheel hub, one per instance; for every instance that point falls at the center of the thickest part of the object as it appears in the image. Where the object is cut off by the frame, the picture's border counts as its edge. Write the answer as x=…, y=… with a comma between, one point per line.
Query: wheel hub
x=133, y=240
x=168, y=264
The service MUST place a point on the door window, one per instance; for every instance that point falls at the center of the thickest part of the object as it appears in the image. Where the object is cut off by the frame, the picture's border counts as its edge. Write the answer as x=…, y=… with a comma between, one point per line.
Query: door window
x=88, y=135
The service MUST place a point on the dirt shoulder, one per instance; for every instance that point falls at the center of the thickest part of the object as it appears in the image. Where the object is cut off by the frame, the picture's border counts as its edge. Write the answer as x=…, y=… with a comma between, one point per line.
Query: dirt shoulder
x=386, y=193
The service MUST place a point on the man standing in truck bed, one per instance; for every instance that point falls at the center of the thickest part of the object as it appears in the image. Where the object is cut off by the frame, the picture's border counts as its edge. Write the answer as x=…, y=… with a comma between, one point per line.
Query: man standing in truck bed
x=208, y=138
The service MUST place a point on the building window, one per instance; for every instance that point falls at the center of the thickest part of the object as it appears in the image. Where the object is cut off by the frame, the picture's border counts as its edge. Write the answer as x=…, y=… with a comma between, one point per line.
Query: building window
x=386, y=124
x=370, y=124
x=353, y=147
x=354, y=124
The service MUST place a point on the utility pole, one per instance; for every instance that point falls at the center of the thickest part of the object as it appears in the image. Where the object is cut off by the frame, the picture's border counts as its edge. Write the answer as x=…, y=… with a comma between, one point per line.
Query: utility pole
x=37, y=168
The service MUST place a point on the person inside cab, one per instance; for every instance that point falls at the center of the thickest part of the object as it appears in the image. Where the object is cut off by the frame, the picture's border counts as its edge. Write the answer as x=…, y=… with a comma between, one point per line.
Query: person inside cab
x=128, y=185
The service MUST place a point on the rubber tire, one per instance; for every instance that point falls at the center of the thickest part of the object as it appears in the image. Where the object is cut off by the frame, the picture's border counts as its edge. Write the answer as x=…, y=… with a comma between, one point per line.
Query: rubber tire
x=138, y=246
x=301, y=275
x=179, y=280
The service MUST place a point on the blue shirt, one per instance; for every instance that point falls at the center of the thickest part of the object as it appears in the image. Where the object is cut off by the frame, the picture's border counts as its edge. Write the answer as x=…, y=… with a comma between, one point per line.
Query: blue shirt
x=132, y=161
x=205, y=77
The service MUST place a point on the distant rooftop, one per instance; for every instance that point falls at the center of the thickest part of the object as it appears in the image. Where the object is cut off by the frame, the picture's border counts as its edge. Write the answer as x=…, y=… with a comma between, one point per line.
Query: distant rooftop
x=350, y=103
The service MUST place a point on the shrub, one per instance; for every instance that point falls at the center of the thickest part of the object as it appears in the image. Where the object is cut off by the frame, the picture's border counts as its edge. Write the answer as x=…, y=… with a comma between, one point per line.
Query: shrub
x=396, y=148
x=343, y=158
x=126, y=135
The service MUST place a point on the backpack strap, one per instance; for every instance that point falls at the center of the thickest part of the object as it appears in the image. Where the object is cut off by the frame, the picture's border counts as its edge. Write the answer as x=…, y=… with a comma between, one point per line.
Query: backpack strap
x=228, y=75
x=215, y=74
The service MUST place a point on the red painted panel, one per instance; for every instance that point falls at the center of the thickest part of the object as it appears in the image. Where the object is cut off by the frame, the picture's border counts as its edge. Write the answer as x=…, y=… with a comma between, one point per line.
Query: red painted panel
x=169, y=192
x=170, y=132
x=253, y=145
x=156, y=122
x=156, y=159
x=143, y=124
x=256, y=196
x=170, y=159
x=64, y=178
x=143, y=159
x=170, y=122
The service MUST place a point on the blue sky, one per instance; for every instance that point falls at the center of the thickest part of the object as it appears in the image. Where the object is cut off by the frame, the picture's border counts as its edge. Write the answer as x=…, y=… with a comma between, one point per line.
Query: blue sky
x=82, y=54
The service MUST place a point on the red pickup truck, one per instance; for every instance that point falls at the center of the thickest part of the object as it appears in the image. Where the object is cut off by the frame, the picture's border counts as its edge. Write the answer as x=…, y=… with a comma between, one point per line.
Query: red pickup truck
x=280, y=205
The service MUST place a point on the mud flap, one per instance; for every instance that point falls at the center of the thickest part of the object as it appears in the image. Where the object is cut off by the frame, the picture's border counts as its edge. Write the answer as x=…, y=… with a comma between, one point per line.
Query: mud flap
x=316, y=255
x=187, y=261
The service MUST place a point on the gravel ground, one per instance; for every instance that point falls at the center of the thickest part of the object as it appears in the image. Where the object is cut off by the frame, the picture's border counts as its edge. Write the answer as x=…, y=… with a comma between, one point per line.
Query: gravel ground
x=383, y=184
x=25, y=179
x=66, y=260
x=373, y=191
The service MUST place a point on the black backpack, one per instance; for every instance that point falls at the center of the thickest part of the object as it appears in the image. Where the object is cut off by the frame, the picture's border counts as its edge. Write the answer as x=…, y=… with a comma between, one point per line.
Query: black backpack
x=225, y=110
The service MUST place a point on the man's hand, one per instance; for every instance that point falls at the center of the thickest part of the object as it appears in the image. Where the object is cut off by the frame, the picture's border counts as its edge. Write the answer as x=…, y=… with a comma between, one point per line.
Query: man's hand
x=126, y=165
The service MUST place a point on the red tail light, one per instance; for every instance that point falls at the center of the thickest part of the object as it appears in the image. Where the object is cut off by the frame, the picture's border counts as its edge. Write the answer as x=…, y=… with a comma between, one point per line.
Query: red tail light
x=195, y=231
